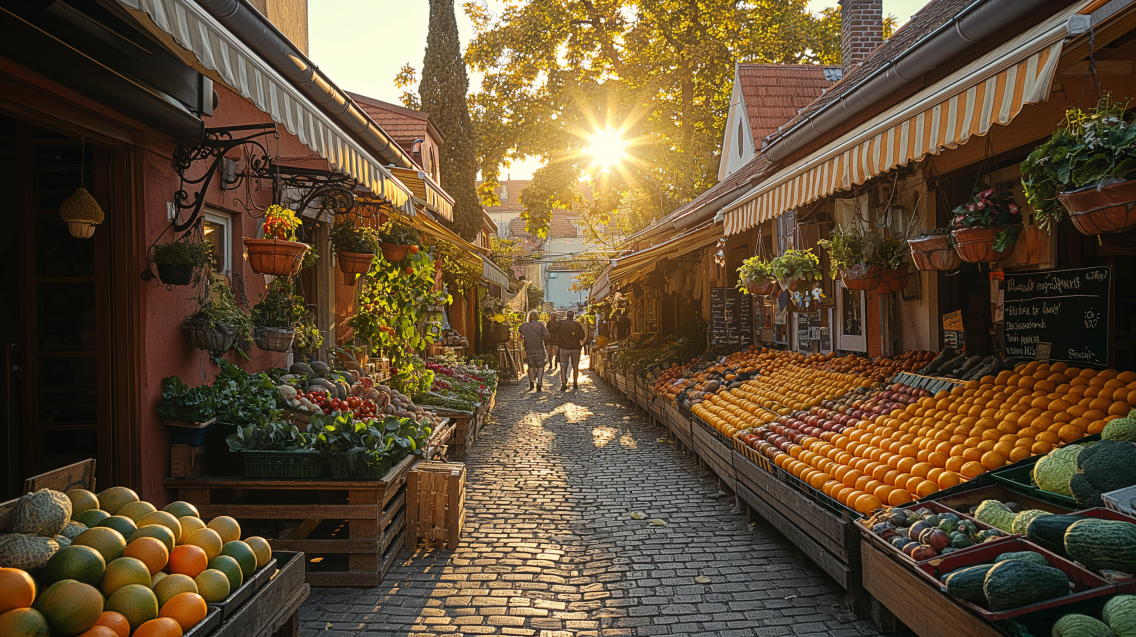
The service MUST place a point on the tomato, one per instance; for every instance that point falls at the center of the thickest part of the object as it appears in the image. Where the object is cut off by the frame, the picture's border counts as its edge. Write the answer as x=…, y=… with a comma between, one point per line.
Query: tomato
x=327, y=412
x=413, y=249
x=354, y=401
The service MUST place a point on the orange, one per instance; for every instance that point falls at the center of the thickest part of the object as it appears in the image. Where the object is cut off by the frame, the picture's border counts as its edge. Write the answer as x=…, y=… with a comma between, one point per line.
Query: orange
x=862, y=483
x=898, y=497
x=973, y=469
x=851, y=477
x=921, y=469
x=912, y=483
x=948, y=479
x=150, y=551
x=188, y=559
x=1018, y=453
x=17, y=589
x=955, y=463
x=938, y=459
x=905, y=464
x=98, y=631
x=1041, y=447
x=882, y=492
x=115, y=622
x=926, y=488
x=1095, y=427
x=867, y=503
x=160, y=627
x=187, y=609
x=993, y=460
x=933, y=475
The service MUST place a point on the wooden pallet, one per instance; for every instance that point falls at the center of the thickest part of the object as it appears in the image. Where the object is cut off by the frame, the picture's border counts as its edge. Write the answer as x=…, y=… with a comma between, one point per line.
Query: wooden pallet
x=273, y=610
x=435, y=510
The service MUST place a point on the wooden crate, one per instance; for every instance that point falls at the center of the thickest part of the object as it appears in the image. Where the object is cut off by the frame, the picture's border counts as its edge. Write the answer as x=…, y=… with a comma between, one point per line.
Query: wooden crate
x=373, y=519
x=80, y=475
x=435, y=504
x=464, y=434
x=186, y=461
x=273, y=611
x=714, y=452
x=679, y=424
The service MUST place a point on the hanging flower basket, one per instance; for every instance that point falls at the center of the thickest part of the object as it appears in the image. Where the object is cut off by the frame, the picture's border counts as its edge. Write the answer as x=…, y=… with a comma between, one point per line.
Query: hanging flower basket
x=274, y=339
x=354, y=262
x=1110, y=209
x=932, y=252
x=863, y=277
x=394, y=252
x=175, y=275
x=763, y=287
x=219, y=337
x=893, y=280
x=275, y=256
x=976, y=245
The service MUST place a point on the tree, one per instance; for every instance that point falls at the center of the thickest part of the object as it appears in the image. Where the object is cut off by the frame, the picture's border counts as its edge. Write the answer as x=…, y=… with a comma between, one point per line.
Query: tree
x=658, y=71
x=442, y=94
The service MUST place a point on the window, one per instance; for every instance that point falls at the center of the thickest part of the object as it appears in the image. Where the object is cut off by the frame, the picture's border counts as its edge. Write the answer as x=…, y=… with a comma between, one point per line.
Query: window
x=504, y=192
x=218, y=229
x=741, y=145
x=850, y=315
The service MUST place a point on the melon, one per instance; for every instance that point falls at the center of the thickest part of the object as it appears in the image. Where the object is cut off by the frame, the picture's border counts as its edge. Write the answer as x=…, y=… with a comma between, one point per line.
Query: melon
x=82, y=500
x=28, y=552
x=1120, y=429
x=1120, y=615
x=995, y=514
x=44, y=512
x=24, y=622
x=70, y=607
x=231, y=568
x=966, y=583
x=120, y=523
x=1080, y=626
x=91, y=517
x=1032, y=556
x=115, y=498
x=155, y=531
x=135, y=510
x=1103, y=544
x=1052, y=471
x=181, y=509
x=72, y=530
x=244, y=556
x=173, y=586
x=123, y=572
x=104, y=540
x=62, y=540
x=81, y=563
x=136, y=603
x=1015, y=583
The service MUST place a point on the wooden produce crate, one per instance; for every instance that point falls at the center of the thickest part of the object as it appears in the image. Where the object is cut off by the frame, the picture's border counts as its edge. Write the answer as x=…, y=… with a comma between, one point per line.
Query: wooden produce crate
x=642, y=394
x=708, y=444
x=80, y=475
x=679, y=424
x=186, y=461
x=272, y=611
x=464, y=433
x=435, y=504
x=830, y=539
x=351, y=530
x=621, y=383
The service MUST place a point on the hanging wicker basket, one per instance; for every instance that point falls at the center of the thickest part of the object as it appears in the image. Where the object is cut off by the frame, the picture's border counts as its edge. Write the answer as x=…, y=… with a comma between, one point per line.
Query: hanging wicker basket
x=354, y=262
x=274, y=339
x=175, y=275
x=933, y=252
x=1110, y=209
x=976, y=245
x=893, y=280
x=863, y=277
x=275, y=256
x=763, y=287
x=394, y=252
x=215, y=337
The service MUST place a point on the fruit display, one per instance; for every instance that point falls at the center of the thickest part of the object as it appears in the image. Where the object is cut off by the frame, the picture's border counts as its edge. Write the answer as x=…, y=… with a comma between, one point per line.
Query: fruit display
x=155, y=579
x=459, y=384
x=922, y=534
x=951, y=363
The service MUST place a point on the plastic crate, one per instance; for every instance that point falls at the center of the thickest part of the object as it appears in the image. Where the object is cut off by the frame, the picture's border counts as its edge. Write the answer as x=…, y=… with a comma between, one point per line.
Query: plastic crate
x=1040, y=623
x=1020, y=476
x=934, y=507
x=1086, y=584
x=362, y=469
x=1002, y=492
x=284, y=464
x=1121, y=500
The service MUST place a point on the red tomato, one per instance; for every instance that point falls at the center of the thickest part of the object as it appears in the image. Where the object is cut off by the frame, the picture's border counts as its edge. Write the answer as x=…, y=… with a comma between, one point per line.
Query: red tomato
x=413, y=249
x=354, y=401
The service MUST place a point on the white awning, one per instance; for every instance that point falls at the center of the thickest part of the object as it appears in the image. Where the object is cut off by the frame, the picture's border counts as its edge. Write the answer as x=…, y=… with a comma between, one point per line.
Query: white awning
x=490, y=272
x=991, y=90
x=602, y=287
x=223, y=57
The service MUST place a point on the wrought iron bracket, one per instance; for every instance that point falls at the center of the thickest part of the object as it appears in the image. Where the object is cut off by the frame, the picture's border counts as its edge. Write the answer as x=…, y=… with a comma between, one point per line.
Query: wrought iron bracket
x=217, y=144
x=326, y=191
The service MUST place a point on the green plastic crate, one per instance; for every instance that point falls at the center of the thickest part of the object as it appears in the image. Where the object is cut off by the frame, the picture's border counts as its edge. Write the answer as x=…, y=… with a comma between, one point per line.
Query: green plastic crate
x=284, y=464
x=1020, y=476
x=363, y=470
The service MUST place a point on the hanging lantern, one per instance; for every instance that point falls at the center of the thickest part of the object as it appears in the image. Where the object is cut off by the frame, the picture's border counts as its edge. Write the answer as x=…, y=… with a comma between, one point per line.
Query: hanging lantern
x=82, y=213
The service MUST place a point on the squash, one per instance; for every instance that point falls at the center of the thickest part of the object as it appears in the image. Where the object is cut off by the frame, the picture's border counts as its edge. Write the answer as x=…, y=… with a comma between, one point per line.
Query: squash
x=1022, y=520
x=1052, y=471
x=27, y=552
x=1120, y=615
x=948, y=526
x=44, y=512
x=960, y=540
x=1103, y=544
x=936, y=539
x=1048, y=531
x=1120, y=429
x=995, y=514
x=1016, y=583
x=923, y=552
x=1032, y=556
x=1080, y=626
x=966, y=583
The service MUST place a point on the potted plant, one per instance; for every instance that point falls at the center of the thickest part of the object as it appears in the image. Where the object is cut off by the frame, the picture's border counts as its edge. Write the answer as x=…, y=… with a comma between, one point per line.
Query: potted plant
x=987, y=227
x=756, y=277
x=853, y=257
x=278, y=253
x=355, y=247
x=219, y=321
x=396, y=240
x=178, y=261
x=891, y=253
x=272, y=318
x=1086, y=168
x=798, y=273
x=933, y=250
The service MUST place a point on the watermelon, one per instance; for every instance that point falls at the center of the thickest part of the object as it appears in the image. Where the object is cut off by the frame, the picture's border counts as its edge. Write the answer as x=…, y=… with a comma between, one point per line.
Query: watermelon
x=966, y=583
x=1120, y=615
x=44, y=512
x=1080, y=626
x=995, y=514
x=1015, y=583
x=27, y=552
x=1103, y=544
x=1032, y=556
x=1053, y=470
x=1048, y=531
x=1022, y=520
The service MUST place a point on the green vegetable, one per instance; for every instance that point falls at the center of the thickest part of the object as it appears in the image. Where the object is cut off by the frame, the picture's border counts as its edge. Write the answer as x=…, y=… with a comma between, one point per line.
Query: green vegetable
x=995, y=514
x=1016, y=583
x=1084, y=492
x=1122, y=429
x=1031, y=556
x=966, y=583
x=268, y=434
x=1110, y=465
x=1103, y=544
x=1053, y=470
x=181, y=402
x=1080, y=626
x=241, y=398
x=1120, y=615
x=1048, y=531
x=960, y=540
x=1022, y=520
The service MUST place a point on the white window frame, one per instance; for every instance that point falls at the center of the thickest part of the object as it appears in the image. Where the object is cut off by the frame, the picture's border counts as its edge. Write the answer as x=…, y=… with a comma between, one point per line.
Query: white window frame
x=224, y=220
x=846, y=342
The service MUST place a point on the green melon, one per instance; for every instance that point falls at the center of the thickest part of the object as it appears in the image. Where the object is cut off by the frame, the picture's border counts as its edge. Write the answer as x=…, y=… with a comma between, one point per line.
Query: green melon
x=1053, y=470
x=82, y=500
x=91, y=517
x=156, y=531
x=1022, y=520
x=181, y=509
x=44, y=512
x=115, y=498
x=1033, y=556
x=1120, y=615
x=70, y=607
x=123, y=572
x=27, y=552
x=72, y=530
x=243, y=554
x=231, y=568
x=136, y=510
x=120, y=523
x=136, y=603
x=81, y=563
x=1120, y=429
x=106, y=541
x=966, y=583
x=62, y=540
x=1080, y=626
x=995, y=514
x=1103, y=544
x=24, y=622
x=172, y=586
x=1016, y=583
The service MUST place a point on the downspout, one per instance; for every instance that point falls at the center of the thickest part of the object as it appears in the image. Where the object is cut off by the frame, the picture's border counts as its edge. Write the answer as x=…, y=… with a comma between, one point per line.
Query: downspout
x=265, y=39
x=979, y=21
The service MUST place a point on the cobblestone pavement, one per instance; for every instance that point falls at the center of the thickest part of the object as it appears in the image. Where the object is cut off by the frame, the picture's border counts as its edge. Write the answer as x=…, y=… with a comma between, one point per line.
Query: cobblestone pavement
x=550, y=548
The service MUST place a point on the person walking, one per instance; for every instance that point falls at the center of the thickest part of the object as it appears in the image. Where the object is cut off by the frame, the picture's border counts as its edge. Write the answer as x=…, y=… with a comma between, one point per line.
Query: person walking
x=535, y=335
x=588, y=329
x=571, y=339
x=553, y=343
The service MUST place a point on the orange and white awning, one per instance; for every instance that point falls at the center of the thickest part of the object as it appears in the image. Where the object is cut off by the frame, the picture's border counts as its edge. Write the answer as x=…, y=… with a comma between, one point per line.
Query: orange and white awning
x=990, y=90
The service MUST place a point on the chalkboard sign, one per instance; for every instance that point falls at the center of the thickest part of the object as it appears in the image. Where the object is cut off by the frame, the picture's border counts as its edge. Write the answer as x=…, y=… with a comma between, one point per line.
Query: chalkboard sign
x=731, y=317
x=1068, y=309
x=719, y=334
x=745, y=318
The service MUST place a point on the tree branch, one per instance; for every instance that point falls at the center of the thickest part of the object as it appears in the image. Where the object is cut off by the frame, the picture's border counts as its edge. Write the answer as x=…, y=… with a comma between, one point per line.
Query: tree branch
x=596, y=20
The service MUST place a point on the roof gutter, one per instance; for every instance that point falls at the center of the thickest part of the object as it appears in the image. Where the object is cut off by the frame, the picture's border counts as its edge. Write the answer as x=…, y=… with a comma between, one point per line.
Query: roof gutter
x=974, y=24
x=265, y=39
x=696, y=215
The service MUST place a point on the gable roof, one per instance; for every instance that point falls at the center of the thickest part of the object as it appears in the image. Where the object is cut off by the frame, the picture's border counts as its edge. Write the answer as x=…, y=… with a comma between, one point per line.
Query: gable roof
x=558, y=228
x=403, y=124
x=774, y=93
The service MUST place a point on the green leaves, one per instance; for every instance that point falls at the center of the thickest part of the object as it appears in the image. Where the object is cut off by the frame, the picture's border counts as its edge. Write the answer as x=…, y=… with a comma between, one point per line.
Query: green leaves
x=269, y=434
x=181, y=402
x=241, y=398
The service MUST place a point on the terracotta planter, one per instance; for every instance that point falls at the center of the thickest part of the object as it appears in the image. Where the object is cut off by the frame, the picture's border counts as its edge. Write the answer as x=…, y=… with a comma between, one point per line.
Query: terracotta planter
x=863, y=277
x=274, y=256
x=175, y=275
x=394, y=252
x=1110, y=209
x=274, y=339
x=354, y=262
x=759, y=288
x=934, y=252
x=893, y=280
x=976, y=245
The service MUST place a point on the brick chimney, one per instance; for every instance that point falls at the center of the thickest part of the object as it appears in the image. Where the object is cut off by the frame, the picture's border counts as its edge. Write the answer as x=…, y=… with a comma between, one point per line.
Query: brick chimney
x=861, y=30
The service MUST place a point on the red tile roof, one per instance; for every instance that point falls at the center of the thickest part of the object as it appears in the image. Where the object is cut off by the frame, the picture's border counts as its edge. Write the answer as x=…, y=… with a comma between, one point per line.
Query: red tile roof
x=404, y=125
x=774, y=93
x=559, y=228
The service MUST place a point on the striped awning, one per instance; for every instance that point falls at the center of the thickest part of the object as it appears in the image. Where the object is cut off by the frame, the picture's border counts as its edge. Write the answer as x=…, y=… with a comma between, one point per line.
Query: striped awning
x=434, y=199
x=631, y=266
x=490, y=272
x=197, y=38
x=991, y=90
x=602, y=287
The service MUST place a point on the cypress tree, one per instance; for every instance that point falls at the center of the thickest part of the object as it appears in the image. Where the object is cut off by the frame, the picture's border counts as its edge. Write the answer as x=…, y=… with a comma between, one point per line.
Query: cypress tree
x=443, y=93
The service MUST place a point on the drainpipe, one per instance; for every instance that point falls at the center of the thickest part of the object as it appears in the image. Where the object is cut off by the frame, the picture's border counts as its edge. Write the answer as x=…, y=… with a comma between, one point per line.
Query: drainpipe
x=976, y=23
x=265, y=39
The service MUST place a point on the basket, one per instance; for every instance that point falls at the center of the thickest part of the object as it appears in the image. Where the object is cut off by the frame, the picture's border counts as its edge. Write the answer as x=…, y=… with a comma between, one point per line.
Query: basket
x=284, y=464
x=175, y=275
x=342, y=470
x=394, y=252
x=219, y=338
x=1110, y=209
x=976, y=245
x=863, y=277
x=354, y=262
x=934, y=252
x=274, y=339
x=764, y=287
x=893, y=280
x=275, y=256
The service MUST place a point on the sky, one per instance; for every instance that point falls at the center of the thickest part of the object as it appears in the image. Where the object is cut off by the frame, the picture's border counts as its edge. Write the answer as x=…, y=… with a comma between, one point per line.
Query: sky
x=341, y=33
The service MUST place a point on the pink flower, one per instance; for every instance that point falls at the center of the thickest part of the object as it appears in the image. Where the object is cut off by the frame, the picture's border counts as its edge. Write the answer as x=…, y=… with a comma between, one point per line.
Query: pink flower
x=986, y=193
x=1014, y=208
x=970, y=208
x=981, y=205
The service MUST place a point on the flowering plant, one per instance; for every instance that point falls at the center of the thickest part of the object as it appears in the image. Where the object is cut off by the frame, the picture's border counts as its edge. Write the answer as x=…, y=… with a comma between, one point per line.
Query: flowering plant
x=280, y=223
x=799, y=273
x=988, y=209
x=754, y=270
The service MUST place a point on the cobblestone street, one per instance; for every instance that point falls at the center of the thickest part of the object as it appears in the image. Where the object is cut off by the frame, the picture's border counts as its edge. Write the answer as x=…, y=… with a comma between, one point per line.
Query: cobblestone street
x=550, y=547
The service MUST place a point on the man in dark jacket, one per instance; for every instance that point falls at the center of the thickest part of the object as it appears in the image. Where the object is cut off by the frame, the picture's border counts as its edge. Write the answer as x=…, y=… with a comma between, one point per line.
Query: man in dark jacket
x=553, y=341
x=570, y=337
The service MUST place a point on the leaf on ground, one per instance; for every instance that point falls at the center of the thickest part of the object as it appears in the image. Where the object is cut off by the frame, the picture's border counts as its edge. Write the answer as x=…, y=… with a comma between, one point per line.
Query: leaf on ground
x=328, y=626
x=791, y=597
x=702, y=579
x=638, y=515
x=669, y=442
x=658, y=522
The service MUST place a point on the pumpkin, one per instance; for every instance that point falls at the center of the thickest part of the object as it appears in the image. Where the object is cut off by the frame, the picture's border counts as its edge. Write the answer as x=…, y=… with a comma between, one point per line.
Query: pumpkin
x=44, y=512
x=936, y=539
x=24, y=551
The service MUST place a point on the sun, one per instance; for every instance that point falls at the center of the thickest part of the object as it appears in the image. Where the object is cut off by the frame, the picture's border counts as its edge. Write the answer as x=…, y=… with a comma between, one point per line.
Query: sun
x=607, y=148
